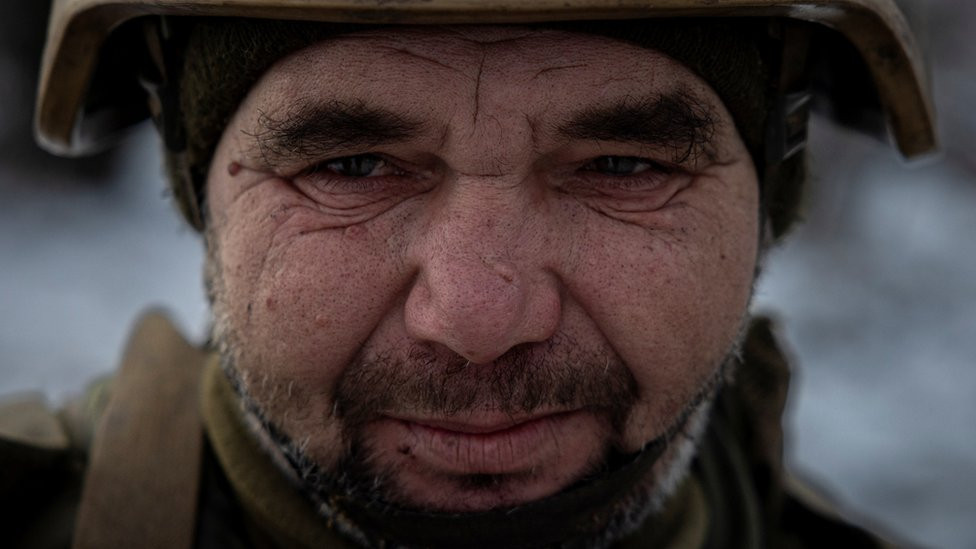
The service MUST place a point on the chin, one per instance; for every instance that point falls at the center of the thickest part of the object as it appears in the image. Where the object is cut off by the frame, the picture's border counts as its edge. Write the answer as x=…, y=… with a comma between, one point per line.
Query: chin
x=477, y=493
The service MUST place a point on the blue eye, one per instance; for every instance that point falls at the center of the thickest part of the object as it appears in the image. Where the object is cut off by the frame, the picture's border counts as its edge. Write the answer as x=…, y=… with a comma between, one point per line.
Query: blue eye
x=623, y=165
x=360, y=165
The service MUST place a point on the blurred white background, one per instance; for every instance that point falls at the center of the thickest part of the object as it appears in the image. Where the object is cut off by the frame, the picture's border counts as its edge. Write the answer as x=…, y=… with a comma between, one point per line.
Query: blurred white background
x=875, y=293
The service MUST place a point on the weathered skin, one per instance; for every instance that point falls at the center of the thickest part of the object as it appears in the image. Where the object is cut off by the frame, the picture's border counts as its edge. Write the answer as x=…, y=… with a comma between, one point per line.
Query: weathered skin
x=485, y=230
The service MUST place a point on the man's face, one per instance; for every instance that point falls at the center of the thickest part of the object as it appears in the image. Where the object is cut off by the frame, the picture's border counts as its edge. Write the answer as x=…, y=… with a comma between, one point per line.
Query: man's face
x=469, y=264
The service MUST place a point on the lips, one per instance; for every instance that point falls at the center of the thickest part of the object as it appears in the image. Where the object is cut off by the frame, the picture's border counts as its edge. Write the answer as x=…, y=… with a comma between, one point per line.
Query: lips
x=485, y=426
x=488, y=445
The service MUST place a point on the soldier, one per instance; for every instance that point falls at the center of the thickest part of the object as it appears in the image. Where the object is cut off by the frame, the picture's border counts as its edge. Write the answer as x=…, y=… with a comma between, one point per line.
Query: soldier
x=480, y=272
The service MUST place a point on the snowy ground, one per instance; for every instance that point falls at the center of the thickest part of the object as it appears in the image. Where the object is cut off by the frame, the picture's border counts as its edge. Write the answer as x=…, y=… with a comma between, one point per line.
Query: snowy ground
x=876, y=294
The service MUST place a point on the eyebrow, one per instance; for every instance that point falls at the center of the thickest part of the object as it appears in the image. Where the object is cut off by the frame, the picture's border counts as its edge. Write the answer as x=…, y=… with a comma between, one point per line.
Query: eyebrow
x=322, y=128
x=676, y=120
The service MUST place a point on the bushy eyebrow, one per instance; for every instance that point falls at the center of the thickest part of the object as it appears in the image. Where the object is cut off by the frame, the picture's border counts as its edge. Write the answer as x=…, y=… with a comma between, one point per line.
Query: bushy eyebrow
x=323, y=128
x=676, y=120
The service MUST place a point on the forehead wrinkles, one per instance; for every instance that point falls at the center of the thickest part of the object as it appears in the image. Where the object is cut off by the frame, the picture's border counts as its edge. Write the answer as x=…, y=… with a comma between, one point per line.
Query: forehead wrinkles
x=510, y=54
x=386, y=54
x=400, y=69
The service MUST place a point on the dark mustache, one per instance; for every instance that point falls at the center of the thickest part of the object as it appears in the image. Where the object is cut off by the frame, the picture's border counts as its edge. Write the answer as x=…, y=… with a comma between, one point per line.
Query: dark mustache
x=423, y=379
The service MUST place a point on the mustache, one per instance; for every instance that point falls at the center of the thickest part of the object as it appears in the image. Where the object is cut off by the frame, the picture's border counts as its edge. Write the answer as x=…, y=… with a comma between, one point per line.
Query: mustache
x=557, y=374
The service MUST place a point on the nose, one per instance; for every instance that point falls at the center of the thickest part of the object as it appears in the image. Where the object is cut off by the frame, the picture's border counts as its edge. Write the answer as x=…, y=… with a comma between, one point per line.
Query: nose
x=482, y=286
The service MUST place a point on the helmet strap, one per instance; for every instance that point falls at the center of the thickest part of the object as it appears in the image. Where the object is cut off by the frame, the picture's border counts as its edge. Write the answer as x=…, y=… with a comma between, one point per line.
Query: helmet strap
x=160, y=77
x=786, y=131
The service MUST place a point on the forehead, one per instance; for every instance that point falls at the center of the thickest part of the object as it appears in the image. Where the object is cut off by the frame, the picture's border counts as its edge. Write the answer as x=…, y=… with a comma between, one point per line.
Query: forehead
x=512, y=66
x=455, y=47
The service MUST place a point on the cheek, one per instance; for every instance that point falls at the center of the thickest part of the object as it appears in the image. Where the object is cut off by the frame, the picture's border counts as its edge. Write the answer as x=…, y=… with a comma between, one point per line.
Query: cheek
x=670, y=296
x=303, y=299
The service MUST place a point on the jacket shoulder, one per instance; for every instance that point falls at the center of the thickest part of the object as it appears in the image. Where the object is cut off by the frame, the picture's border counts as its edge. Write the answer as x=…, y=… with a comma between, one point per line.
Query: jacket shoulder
x=811, y=519
x=26, y=421
x=43, y=453
x=796, y=515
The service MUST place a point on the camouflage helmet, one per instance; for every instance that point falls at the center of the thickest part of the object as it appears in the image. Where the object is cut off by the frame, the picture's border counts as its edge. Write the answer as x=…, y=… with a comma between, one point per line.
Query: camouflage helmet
x=110, y=64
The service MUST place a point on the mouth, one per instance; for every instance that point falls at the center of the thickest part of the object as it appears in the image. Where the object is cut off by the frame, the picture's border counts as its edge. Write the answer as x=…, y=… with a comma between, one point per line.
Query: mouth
x=488, y=444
